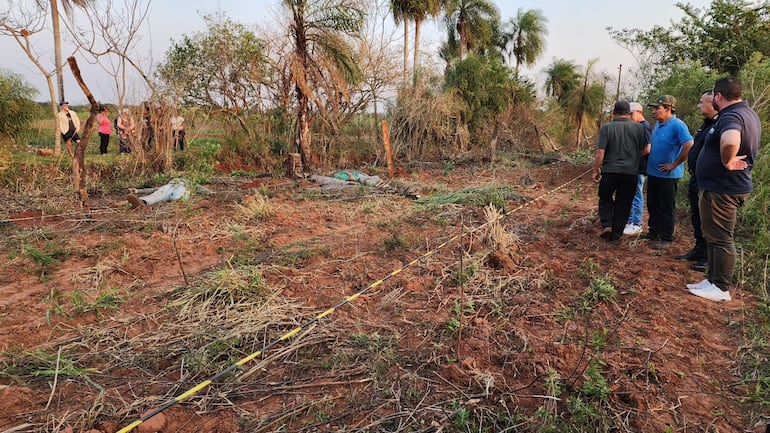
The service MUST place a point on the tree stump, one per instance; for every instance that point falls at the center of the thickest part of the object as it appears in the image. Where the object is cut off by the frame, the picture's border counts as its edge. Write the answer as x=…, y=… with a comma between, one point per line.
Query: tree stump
x=294, y=166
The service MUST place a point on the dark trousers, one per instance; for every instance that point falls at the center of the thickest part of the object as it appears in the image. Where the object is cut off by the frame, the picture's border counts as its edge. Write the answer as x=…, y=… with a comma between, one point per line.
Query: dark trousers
x=694, y=196
x=661, y=207
x=178, y=139
x=104, y=141
x=719, y=213
x=616, y=194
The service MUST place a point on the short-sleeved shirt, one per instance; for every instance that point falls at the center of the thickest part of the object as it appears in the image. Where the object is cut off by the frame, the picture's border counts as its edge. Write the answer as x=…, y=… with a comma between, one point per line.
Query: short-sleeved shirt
x=667, y=142
x=622, y=141
x=698, y=140
x=712, y=175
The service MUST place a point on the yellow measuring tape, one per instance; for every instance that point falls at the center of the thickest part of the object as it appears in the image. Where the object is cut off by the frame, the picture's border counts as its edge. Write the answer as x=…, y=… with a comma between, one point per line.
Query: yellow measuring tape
x=194, y=390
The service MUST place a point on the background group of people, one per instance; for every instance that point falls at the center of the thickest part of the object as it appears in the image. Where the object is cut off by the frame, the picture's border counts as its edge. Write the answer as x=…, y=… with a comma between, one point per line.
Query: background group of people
x=719, y=158
x=125, y=128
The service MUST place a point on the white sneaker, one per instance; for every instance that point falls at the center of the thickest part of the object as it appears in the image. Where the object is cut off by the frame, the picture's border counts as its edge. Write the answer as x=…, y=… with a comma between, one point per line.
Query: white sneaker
x=712, y=293
x=702, y=285
x=632, y=229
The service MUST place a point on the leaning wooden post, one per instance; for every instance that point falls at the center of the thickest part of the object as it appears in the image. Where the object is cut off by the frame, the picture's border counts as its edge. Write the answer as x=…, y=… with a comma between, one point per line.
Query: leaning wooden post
x=388, y=152
x=78, y=161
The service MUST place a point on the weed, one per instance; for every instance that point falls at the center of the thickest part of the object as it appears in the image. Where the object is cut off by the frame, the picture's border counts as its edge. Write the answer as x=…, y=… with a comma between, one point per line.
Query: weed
x=463, y=276
x=108, y=300
x=462, y=419
x=447, y=168
x=44, y=258
x=229, y=286
x=30, y=365
x=394, y=242
x=600, y=289
x=596, y=386
x=254, y=207
x=54, y=301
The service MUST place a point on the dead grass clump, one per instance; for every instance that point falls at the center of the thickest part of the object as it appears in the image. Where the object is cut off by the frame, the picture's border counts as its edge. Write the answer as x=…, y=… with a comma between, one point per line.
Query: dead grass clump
x=253, y=207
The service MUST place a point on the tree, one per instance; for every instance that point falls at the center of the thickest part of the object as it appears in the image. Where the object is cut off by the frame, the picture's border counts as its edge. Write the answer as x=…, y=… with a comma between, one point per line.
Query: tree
x=484, y=85
x=15, y=104
x=222, y=70
x=562, y=79
x=55, y=20
x=475, y=23
x=422, y=9
x=402, y=12
x=721, y=37
x=525, y=33
x=322, y=63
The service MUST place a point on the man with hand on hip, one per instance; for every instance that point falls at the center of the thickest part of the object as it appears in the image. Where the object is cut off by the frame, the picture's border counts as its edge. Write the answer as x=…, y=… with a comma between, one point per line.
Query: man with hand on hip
x=724, y=178
x=670, y=143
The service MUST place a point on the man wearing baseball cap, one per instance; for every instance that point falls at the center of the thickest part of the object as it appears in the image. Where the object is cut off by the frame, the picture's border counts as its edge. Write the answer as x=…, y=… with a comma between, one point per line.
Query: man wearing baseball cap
x=69, y=125
x=670, y=143
x=634, y=225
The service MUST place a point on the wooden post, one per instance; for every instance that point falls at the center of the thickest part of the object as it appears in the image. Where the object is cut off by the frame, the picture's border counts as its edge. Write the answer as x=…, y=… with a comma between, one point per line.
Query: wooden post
x=388, y=152
x=294, y=166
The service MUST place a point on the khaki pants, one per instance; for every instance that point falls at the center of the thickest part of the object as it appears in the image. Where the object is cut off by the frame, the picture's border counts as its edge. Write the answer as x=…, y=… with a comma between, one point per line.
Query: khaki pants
x=719, y=214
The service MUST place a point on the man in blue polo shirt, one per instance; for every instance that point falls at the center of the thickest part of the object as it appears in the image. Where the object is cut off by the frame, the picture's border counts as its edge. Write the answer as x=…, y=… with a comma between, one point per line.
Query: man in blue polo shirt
x=670, y=143
x=724, y=178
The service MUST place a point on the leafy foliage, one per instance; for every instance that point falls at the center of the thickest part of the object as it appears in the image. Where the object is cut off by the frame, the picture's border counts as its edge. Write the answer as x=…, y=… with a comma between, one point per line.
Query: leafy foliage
x=722, y=37
x=222, y=69
x=15, y=104
x=485, y=87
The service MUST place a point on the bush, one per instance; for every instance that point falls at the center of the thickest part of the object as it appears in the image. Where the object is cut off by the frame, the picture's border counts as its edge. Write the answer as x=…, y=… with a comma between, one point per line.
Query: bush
x=16, y=105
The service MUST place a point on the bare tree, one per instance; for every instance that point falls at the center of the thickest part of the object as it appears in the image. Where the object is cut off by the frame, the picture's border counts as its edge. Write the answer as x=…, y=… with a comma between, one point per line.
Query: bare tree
x=26, y=25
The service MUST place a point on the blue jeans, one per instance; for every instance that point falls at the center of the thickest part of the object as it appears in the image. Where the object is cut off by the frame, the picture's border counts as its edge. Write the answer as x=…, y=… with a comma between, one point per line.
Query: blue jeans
x=637, y=207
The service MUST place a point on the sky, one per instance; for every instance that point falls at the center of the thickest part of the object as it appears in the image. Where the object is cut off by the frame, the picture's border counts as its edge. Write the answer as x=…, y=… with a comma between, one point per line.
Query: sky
x=577, y=32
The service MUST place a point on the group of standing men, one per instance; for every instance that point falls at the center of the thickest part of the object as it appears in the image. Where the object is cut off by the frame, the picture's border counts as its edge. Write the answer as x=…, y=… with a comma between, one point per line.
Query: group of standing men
x=125, y=127
x=720, y=158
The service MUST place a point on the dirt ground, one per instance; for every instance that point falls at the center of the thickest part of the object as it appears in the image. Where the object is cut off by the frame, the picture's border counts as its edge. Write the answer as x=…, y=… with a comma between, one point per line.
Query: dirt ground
x=512, y=336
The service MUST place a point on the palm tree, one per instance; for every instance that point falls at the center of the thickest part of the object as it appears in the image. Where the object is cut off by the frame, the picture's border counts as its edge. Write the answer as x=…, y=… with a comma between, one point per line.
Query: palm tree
x=474, y=20
x=421, y=10
x=526, y=35
x=322, y=57
x=562, y=79
x=55, y=18
x=401, y=10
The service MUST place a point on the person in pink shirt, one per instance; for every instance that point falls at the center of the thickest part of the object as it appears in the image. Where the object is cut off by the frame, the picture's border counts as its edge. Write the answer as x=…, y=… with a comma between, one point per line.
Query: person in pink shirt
x=105, y=129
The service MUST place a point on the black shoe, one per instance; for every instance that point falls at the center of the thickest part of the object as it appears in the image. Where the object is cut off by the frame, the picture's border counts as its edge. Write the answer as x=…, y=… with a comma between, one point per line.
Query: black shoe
x=651, y=236
x=693, y=255
x=606, y=233
x=700, y=265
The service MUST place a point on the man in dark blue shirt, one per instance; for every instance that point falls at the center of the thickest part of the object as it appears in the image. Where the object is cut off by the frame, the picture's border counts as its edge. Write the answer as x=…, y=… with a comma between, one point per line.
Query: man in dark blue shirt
x=698, y=252
x=724, y=178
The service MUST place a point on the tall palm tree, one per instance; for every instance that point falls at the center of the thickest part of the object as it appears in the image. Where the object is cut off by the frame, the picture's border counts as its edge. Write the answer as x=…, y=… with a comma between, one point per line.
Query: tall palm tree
x=526, y=34
x=474, y=20
x=402, y=12
x=55, y=18
x=421, y=10
x=562, y=79
x=321, y=57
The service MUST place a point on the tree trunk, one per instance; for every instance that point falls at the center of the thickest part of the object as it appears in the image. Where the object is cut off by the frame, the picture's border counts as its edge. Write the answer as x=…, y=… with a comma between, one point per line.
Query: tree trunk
x=416, y=62
x=78, y=161
x=55, y=111
x=57, y=47
x=406, y=51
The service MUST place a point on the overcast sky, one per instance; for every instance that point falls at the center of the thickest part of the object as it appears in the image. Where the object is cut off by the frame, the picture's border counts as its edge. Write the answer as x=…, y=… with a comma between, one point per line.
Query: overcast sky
x=577, y=32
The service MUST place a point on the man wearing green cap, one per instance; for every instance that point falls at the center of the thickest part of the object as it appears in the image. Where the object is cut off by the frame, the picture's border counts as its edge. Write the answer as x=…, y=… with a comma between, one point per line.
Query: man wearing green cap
x=670, y=143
